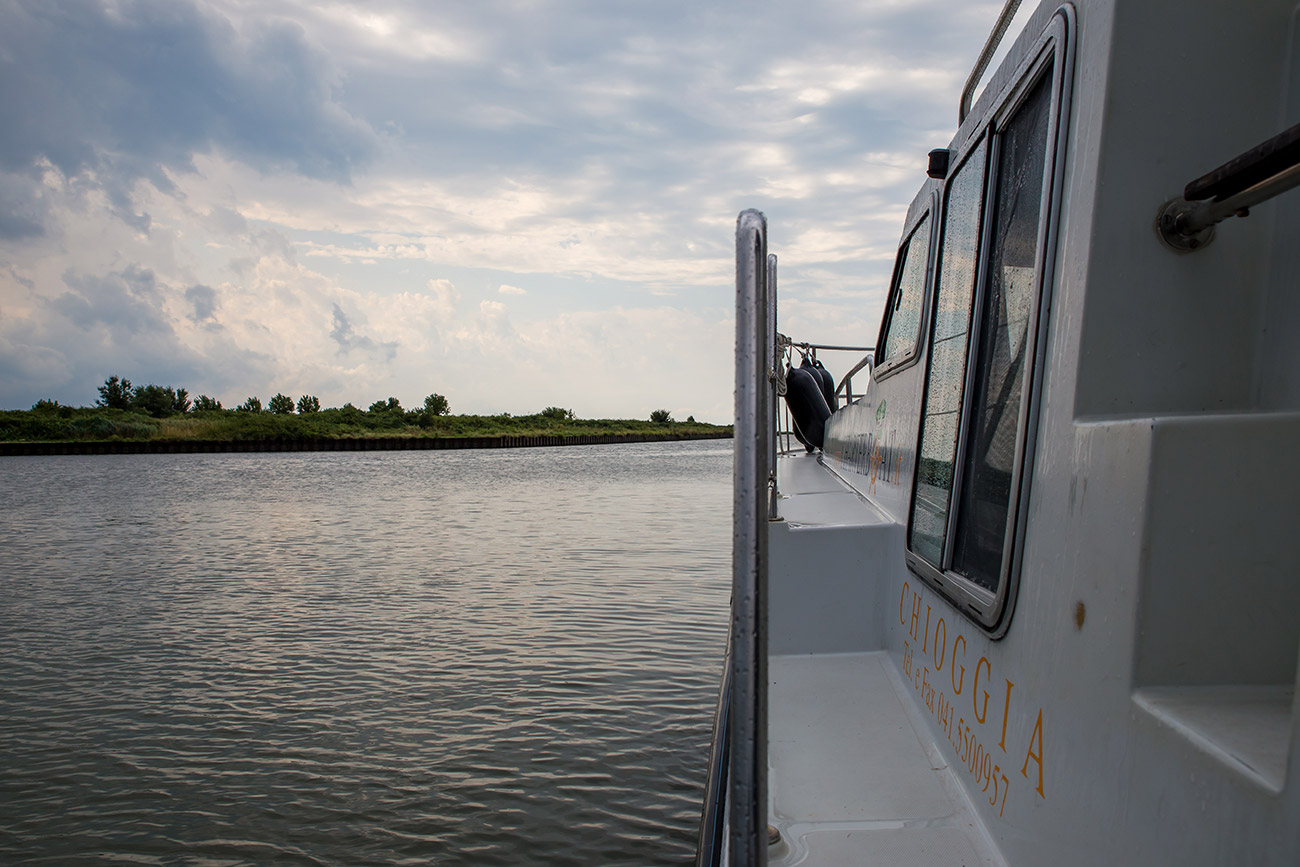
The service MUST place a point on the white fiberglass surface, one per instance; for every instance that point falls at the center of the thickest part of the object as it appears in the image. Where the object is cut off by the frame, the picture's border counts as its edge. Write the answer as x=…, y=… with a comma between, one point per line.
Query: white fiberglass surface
x=851, y=779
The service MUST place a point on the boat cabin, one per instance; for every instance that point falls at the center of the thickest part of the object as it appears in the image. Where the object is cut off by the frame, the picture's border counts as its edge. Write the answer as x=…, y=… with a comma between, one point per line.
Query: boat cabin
x=1034, y=596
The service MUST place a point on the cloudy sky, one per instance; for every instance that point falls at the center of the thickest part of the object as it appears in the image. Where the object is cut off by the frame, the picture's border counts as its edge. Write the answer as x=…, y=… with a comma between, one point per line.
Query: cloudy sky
x=514, y=203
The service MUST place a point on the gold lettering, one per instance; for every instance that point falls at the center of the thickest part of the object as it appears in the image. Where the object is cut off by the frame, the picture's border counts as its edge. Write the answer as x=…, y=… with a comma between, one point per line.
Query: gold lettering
x=901, y=600
x=980, y=714
x=1036, y=739
x=925, y=641
x=940, y=645
x=1006, y=712
x=916, y=611
x=957, y=684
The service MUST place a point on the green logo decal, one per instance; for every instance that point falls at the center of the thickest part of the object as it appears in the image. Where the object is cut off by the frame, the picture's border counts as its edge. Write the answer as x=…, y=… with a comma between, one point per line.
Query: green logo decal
x=880, y=412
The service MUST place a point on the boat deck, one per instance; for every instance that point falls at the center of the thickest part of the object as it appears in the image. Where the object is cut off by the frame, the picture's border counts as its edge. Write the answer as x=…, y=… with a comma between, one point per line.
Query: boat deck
x=854, y=777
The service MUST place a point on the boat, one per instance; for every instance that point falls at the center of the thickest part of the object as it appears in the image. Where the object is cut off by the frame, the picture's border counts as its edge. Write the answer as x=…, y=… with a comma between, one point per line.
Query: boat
x=1035, y=599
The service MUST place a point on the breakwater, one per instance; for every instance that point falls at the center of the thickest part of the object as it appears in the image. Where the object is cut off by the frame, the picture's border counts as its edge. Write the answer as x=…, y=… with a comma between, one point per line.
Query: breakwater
x=339, y=444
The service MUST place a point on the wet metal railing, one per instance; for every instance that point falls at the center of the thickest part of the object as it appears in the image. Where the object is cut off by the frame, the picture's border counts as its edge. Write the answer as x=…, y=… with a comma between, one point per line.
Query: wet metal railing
x=713, y=818
x=986, y=55
x=774, y=354
x=733, y=823
x=845, y=387
x=747, y=789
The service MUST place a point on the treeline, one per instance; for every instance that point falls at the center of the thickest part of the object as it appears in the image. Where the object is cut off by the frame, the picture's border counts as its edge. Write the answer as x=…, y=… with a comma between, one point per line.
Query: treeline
x=163, y=401
x=148, y=412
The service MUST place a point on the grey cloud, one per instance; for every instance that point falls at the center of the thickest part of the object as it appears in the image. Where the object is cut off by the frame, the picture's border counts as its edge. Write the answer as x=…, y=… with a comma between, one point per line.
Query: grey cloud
x=127, y=89
x=26, y=282
x=348, y=339
x=561, y=82
x=112, y=323
x=16, y=227
x=204, y=301
x=125, y=302
x=263, y=244
x=226, y=221
x=22, y=210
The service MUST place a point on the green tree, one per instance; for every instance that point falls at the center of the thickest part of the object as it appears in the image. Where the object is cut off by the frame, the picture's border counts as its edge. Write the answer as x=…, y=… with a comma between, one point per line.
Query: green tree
x=115, y=393
x=160, y=401
x=253, y=404
x=281, y=404
x=203, y=403
x=383, y=406
x=661, y=416
x=436, y=404
x=45, y=405
x=557, y=413
x=308, y=403
x=690, y=419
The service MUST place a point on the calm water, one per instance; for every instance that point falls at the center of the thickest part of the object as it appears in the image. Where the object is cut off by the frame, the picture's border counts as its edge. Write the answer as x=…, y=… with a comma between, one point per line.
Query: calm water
x=490, y=657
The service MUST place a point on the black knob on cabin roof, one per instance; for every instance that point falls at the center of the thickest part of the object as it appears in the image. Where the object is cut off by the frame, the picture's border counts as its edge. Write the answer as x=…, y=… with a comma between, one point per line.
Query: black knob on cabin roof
x=938, y=167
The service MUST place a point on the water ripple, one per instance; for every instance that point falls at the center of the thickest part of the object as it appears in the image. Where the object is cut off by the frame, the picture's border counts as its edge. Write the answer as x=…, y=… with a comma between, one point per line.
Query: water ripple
x=384, y=658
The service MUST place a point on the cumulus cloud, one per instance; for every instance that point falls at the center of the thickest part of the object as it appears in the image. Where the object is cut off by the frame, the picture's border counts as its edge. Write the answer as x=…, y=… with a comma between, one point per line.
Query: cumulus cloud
x=444, y=296
x=340, y=198
x=112, y=93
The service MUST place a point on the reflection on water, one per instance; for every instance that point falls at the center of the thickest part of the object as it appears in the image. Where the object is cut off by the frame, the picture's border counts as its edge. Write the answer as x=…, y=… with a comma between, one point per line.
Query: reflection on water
x=488, y=657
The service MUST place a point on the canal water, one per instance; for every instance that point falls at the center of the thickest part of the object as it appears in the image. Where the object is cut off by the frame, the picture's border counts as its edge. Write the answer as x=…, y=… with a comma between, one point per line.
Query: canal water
x=479, y=657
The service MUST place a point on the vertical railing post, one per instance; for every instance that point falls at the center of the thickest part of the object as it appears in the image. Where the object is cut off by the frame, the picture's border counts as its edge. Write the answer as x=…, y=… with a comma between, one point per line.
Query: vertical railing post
x=748, y=779
x=773, y=399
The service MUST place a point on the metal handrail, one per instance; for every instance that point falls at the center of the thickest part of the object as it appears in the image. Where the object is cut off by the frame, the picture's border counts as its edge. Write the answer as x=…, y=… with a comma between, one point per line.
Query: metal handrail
x=1252, y=178
x=713, y=816
x=846, y=384
x=829, y=347
x=747, y=778
x=845, y=388
x=986, y=56
x=773, y=355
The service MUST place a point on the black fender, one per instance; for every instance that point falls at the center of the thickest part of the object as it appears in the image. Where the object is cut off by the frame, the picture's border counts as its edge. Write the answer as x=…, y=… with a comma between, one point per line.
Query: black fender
x=828, y=384
x=808, y=409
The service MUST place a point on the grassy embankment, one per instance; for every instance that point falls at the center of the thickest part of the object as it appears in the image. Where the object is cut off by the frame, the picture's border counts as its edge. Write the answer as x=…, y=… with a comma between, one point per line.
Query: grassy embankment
x=75, y=424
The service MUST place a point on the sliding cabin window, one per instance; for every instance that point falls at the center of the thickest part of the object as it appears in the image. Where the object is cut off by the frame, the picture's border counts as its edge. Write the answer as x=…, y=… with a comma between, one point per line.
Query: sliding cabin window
x=993, y=441
x=903, y=313
x=975, y=425
x=949, y=345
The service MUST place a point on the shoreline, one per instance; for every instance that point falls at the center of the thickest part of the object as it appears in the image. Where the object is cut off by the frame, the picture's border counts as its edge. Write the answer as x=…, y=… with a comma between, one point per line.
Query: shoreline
x=335, y=444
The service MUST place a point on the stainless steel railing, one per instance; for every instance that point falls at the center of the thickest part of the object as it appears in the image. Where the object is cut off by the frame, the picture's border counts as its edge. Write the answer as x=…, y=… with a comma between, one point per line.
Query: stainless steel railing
x=785, y=349
x=733, y=823
x=752, y=473
x=775, y=385
x=845, y=388
x=713, y=817
x=986, y=54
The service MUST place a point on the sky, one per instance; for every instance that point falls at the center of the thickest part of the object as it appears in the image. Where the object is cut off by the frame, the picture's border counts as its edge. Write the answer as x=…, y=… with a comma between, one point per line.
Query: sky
x=513, y=203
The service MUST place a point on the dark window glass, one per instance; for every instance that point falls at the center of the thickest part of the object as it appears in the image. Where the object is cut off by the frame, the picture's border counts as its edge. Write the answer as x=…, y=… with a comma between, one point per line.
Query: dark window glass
x=995, y=432
x=946, y=375
x=905, y=312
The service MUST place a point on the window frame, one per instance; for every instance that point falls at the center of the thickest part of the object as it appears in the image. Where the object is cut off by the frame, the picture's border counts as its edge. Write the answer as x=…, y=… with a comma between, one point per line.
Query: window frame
x=1052, y=55
x=913, y=354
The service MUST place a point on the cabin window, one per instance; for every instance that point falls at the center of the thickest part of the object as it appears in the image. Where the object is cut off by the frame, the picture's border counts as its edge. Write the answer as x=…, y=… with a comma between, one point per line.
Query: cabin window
x=975, y=413
x=941, y=414
x=993, y=436
x=903, y=315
